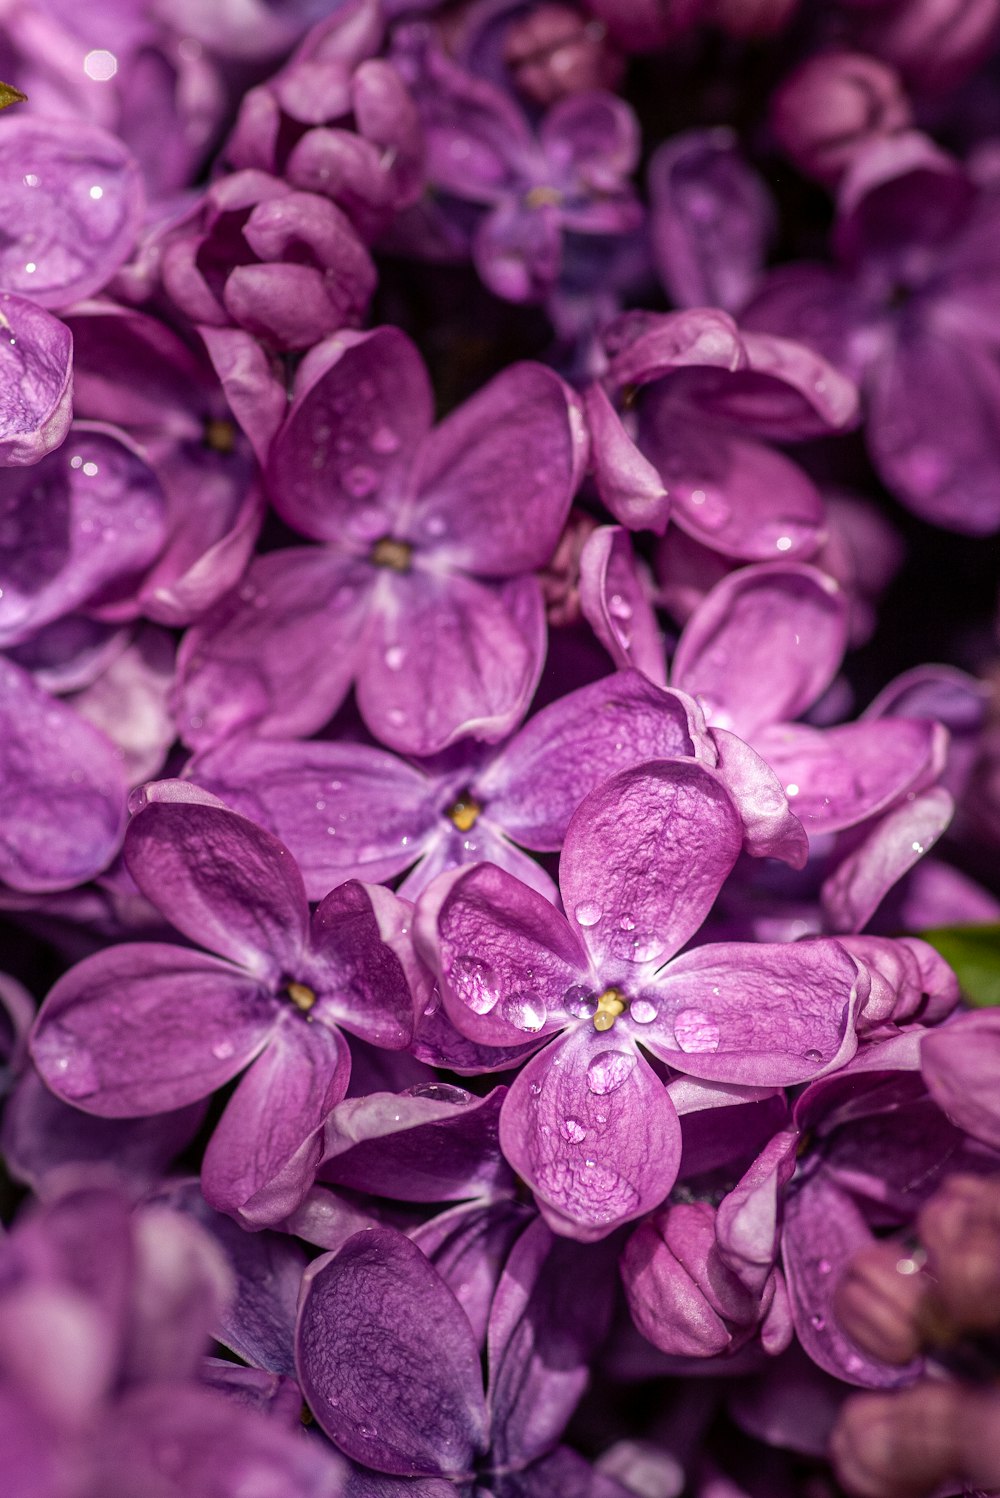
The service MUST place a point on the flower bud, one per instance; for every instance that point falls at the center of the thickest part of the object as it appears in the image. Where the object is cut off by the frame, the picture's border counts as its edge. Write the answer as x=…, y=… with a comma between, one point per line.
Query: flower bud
x=879, y=1301
x=553, y=51
x=960, y=1230
x=899, y=1445
x=831, y=107
x=752, y=17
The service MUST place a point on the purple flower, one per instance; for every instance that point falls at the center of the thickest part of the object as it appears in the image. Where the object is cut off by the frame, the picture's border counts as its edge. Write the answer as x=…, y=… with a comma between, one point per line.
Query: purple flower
x=676, y=423
x=36, y=381
x=910, y=314
x=588, y=1122
x=572, y=177
x=832, y=106
x=422, y=592
x=149, y=1027
x=348, y=811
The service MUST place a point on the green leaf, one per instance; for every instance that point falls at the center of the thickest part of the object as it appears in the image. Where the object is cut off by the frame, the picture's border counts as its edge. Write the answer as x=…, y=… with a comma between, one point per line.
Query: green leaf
x=974, y=953
x=11, y=95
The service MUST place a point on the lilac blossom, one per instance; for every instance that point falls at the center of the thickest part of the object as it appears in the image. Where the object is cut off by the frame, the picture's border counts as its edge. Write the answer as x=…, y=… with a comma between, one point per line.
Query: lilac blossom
x=832, y=106
x=530, y=189
x=676, y=424
x=350, y=811
x=909, y=313
x=606, y=979
x=423, y=591
x=149, y=1027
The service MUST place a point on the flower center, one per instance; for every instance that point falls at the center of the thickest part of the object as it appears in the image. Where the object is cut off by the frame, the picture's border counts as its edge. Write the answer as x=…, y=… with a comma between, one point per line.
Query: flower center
x=219, y=436
x=464, y=812
x=301, y=996
x=543, y=197
x=610, y=1004
x=388, y=552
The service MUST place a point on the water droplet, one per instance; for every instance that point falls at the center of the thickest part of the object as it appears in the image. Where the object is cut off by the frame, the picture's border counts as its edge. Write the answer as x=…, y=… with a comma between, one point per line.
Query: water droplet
x=619, y=607
x=609, y=1069
x=917, y=847
x=643, y=1011
x=696, y=1032
x=76, y=1075
x=474, y=982
x=588, y=915
x=824, y=1266
x=645, y=948
x=384, y=440
x=818, y=1321
x=579, y=1000
x=572, y=1130
x=394, y=657
x=535, y=1089
x=360, y=480
x=222, y=1050
x=812, y=1055
x=784, y=543
x=366, y=1432
x=626, y=923
x=396, y=716
x=442, y=1092
x=525, y=1011
x=709, y=508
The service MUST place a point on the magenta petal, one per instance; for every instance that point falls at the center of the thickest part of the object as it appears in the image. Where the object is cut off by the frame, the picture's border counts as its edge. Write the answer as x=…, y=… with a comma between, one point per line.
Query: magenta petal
x=81, y=183
x=367, y=976
x=628, y=483
x=36, y=381
x=757, y=1014
x=617, y=605
x=278, y=653
x=255, y=394
x=749, y=1217
x=637, y=900
x=933, y=426
x=588, y=1124
x=451, y=849
x=345, y=811
x=823, y=1230
x=447, y=656
x=362, y=402
x=148, y=1028
x=959, y=1062
x=265, y=1150
x=682, y=1297
x=537, y=781
x=730, y=492
x=388, y=1361
x=837, y=777
x=770, y=828
x=854, y=891
x=220, y=879
x=486, y=504
x=763, y=645
x=505, y=956
x=62, y=790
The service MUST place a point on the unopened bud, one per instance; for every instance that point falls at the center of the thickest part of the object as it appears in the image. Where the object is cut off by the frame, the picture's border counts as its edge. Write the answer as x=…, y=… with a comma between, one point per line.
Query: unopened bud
x=831, y=107
x=553, y=51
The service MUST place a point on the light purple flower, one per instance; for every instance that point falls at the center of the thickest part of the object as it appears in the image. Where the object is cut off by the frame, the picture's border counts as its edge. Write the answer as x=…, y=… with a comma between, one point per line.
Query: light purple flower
x=676, y=425
x=422, y=593
x=149, y=1027
x=587, y=1121
x=36, y=381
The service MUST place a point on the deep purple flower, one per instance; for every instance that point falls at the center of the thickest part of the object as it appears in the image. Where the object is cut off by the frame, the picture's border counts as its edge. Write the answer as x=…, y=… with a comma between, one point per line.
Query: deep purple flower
x=676, y=426
x=149, y=1027
x=910, y=314
x=422, y=592
x=587, y=1121
x=832, y=107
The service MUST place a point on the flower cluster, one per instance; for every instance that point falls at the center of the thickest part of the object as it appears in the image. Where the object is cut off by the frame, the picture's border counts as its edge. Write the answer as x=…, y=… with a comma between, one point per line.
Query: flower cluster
x=499, y=736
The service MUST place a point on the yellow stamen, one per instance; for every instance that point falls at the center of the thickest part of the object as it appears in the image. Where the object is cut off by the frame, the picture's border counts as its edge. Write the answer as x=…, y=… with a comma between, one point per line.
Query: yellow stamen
x=302, y=997
x=220, y=436
x=542, y=197
x=396, y=555
x=464, y=813
x=610, y=1005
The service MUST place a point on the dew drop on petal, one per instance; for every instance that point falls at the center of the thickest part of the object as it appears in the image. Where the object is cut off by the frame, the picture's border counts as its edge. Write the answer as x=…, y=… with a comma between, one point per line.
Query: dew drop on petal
x=609, y=1069
x=626, y=923
x=818, y=1321
x=222, y=1050
x=579, y=1000
x=384, y=440
x=572, y=1130
x=442, y=1092
x=696, y=1031
x=643, y=1011
x=474, y=982
x=525, y=1011
x=77, y=1075
x=824, y=1266
x=588, y=915
x=394, y=657
x=814, y=1055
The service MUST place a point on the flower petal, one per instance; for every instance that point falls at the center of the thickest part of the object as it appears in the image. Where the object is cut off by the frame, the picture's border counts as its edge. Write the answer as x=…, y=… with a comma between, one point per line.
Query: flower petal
x=448, y=656
x=264, y=1152
x=644, y=857
x=388, y=1361
x=617, y=605
x=757, y=1014
x=588, y=1124
x=762, y=646
x=628, y=483
x=770, y=827
x=856, y=888
x=539, y=778
x=36, y=381
x=220, y=879
x=958, y=1061
x=147, y=1028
